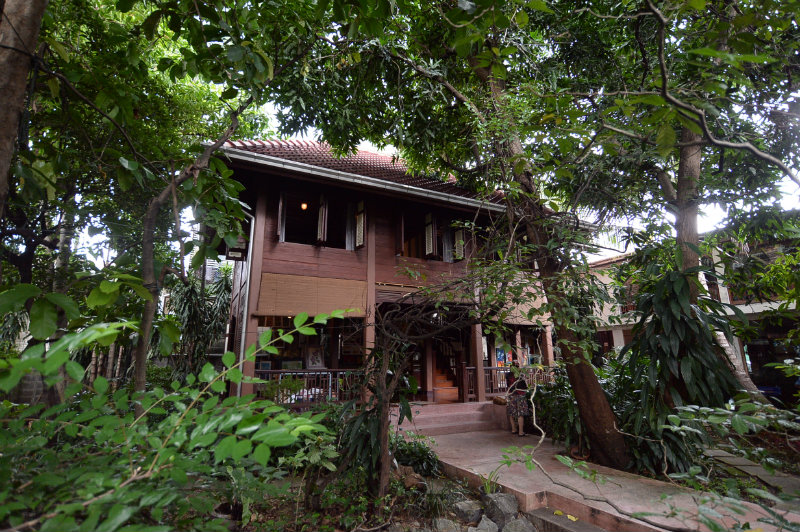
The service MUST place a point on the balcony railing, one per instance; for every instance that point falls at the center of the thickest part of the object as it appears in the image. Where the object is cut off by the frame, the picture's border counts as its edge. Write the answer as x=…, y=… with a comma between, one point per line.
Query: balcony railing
x=302, y=388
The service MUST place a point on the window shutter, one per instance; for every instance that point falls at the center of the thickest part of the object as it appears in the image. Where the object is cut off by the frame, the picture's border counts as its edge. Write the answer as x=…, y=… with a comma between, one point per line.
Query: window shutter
x=322, y=221
x=361, y=225
x=280, y=227
x=399, y=235
x=430, y=235
x=458, y=245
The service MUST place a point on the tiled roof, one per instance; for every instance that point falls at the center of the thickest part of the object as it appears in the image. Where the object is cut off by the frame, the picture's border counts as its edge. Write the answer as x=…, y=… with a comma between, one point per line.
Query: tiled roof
x=362, y=163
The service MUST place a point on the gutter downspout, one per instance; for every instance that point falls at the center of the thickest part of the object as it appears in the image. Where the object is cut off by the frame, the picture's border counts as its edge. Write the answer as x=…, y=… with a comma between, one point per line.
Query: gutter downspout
x=245, y=317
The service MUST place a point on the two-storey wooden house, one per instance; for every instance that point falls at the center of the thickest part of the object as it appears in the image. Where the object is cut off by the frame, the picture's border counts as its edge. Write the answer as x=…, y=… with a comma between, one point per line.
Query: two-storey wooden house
x=338, y=233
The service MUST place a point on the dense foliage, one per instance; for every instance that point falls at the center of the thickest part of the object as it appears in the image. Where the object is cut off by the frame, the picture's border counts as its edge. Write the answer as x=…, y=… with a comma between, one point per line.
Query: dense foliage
x=92, y=463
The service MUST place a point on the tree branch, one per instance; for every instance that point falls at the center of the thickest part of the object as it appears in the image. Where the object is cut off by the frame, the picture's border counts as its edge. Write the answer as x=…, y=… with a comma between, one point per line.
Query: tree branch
x=439, y=78
x=700, y=115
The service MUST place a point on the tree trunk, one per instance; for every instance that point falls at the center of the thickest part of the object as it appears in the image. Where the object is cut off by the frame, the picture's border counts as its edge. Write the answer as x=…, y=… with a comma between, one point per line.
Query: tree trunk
x=686, y=204
x=118, y=368
x=93, y=366
x=112, y=351
x=736, y=363
x=688, y=240
x=607, y=443
x=149, y=279
x=20, y=21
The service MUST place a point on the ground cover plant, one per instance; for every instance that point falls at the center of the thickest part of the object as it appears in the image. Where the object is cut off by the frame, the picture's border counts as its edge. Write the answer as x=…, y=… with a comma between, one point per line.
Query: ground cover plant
x=92, y=462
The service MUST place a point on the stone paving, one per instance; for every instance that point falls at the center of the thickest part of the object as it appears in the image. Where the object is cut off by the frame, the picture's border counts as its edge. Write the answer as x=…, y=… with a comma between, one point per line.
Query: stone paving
x=617, y=501
x=787, y=484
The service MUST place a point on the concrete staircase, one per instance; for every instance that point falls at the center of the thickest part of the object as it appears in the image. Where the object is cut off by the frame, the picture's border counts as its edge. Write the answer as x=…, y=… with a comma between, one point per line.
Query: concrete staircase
x=436, y=419
x=444, y=390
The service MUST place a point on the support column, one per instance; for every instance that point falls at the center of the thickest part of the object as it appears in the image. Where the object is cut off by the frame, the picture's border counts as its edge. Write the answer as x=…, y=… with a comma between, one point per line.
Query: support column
x=429, y=371
x=333, y=345
x=256, y=262
x=476, y=359
x=369, y=332
x=548, y=359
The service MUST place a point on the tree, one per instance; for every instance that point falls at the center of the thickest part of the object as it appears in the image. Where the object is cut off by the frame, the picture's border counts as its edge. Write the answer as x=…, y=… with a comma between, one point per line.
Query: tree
x=19, y=31
x=695, y=110
x=124, y=121
x=602, y=110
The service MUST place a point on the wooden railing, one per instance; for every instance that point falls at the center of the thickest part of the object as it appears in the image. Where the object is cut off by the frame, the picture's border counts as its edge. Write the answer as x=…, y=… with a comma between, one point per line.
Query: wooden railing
x=465, y=380
x=496, y=378
x=301, y=388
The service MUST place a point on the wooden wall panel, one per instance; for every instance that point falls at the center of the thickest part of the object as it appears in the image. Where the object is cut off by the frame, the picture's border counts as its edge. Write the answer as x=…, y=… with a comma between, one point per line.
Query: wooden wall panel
x=288, y=295
x=302, y=259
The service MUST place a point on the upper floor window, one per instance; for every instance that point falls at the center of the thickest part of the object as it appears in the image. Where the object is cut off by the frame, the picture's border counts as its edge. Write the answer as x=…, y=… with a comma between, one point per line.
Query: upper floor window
x=426, y=236
x=317, y=219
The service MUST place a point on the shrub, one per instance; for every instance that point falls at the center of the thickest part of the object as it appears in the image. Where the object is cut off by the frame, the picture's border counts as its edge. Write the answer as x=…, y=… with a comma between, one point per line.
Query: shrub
x=93, y=463
x=416, y=453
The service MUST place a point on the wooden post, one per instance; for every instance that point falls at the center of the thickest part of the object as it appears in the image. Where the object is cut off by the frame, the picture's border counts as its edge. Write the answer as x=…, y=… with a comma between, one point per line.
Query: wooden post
x=369, y=335
x=256, y=262
x=429, y=371
x=463, y=395
x=476, y=359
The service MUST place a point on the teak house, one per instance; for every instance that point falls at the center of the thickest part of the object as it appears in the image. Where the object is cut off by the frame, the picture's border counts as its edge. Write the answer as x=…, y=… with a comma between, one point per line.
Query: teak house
x=337, y=233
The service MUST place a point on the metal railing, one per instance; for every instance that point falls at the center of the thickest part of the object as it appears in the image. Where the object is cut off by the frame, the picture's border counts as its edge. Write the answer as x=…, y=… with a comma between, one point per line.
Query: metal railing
x=302, y=387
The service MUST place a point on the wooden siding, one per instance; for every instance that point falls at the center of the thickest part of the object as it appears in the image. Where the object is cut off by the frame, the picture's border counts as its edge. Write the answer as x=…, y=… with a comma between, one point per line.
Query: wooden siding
x=302, y=259
x=309, y=278
x=288, y=295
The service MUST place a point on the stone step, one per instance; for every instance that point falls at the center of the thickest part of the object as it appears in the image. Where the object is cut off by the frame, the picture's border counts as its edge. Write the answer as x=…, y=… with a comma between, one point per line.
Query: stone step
x=430, y=409
x=438, y=419
x=451, y=428
x=435, y=419
x=545, y=520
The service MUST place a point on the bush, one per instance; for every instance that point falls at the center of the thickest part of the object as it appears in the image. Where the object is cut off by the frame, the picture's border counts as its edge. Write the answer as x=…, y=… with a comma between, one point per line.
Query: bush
x=557, y=411
x=417, y=454
x=655, y=446
x=93, y=463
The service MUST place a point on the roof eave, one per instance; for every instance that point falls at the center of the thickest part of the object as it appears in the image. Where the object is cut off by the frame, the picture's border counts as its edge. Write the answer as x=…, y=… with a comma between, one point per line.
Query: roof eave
x=364, y=181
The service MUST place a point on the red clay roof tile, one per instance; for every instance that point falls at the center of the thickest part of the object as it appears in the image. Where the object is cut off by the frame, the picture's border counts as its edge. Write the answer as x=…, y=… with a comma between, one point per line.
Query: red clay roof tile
x=362, y=163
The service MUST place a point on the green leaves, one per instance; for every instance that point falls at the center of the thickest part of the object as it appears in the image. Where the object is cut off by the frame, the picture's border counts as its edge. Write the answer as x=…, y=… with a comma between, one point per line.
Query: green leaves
x=43, y=319
x=92, y=440
x=665, y=140
x=14, y=299
x=208, y=373
x=66, y=303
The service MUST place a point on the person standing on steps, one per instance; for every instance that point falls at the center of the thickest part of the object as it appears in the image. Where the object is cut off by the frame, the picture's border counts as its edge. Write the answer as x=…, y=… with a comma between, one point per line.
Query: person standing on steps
x=517, y=406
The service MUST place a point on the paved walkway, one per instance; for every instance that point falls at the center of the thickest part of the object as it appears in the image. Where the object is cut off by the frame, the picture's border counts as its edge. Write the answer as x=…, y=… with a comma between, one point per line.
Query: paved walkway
x=610, y=502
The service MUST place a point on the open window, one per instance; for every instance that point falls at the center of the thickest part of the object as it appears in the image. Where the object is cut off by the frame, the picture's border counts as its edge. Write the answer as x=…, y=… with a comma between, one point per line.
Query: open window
x=321, y=220
x=423, y=235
